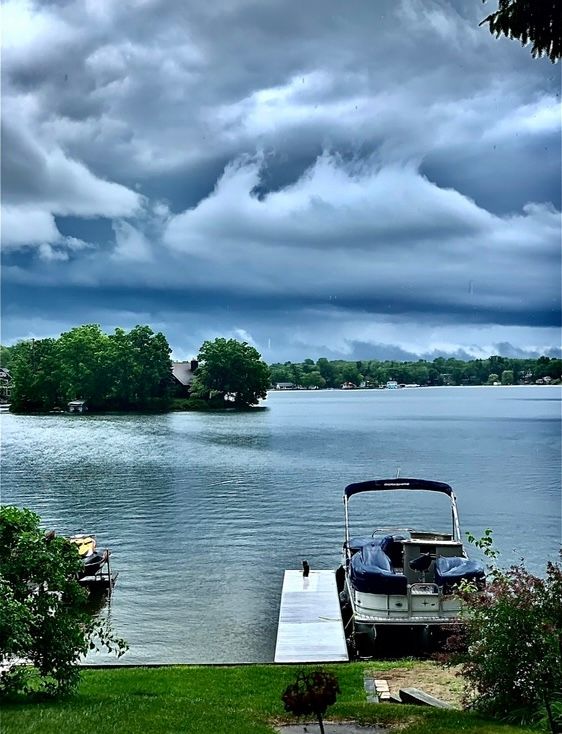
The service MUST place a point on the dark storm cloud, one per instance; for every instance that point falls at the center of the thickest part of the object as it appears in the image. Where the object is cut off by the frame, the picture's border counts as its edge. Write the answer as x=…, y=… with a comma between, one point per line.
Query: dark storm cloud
x=258, y=169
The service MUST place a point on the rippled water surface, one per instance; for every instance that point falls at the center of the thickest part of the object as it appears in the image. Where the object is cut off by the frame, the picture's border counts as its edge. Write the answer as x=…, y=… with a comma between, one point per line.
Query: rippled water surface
x=205, y=511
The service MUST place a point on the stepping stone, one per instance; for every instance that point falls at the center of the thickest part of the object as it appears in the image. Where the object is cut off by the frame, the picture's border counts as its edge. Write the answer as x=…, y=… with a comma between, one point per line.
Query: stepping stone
x=421, y=698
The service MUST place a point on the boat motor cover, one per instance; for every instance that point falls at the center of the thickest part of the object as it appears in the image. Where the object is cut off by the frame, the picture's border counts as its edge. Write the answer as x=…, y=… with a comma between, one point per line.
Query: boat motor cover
x=371, y=572
x=453, y=569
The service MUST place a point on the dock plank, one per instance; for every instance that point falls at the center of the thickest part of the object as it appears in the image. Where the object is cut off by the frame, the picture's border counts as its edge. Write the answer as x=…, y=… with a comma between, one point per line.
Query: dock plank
x=310, y=626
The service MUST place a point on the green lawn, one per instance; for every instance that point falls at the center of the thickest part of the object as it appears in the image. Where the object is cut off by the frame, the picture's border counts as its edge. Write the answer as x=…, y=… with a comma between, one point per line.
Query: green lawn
x=217, y=700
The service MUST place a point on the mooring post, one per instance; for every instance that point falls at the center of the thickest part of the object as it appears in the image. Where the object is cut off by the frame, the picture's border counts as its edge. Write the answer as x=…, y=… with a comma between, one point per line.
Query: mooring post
x=109, y=589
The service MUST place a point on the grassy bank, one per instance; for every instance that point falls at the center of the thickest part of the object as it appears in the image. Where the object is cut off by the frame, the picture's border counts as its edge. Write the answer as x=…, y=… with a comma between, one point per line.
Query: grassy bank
x=218, y=700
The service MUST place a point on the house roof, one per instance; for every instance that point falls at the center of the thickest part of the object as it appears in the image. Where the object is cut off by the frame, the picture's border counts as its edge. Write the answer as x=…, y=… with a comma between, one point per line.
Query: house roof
x=182, y=372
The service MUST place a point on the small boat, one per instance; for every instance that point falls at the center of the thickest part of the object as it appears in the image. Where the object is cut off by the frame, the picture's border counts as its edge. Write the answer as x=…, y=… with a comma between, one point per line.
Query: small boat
x=92, y=558
x=402, y=577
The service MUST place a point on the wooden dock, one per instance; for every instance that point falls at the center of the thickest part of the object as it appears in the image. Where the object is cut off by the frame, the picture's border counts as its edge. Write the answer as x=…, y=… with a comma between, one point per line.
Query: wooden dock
x=310, y=626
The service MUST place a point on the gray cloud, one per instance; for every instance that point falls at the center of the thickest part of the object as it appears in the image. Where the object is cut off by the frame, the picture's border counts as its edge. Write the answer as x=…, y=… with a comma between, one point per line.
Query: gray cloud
x=383, y=161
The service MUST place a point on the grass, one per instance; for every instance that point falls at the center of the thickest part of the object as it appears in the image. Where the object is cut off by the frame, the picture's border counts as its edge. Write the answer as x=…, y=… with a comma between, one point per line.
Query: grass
x=219, y=700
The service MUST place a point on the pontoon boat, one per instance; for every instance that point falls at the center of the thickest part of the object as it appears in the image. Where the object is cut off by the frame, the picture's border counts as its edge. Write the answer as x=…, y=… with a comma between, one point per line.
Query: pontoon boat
x=401, y=576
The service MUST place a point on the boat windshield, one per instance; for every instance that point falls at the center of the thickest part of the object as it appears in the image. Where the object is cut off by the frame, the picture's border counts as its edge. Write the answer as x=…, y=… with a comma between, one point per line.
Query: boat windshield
x=412, y=510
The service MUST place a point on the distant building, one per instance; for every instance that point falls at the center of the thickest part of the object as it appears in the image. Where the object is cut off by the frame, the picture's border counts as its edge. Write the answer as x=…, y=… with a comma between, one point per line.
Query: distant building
x=285, y=386
x=392, y=385
x=77, y=406
x=183, y=374
x=5, y=385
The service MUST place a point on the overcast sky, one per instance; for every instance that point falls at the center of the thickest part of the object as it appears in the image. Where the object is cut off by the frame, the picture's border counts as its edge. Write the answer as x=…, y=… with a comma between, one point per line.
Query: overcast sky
x=362, y=179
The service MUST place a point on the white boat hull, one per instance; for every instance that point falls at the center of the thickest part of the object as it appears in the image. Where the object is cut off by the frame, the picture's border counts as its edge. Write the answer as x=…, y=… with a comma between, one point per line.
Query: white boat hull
x=416, y=608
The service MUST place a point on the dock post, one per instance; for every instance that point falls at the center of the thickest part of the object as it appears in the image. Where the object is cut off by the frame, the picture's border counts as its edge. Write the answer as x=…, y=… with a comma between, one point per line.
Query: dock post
x=109, y=589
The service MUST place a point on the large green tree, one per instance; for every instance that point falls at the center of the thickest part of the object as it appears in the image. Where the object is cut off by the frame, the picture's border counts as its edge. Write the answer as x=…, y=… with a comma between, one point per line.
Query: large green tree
x=44, y=618
x=140, y=367
x=84, y=364
x=231, y=370
x=34, y=371
x=530, y=21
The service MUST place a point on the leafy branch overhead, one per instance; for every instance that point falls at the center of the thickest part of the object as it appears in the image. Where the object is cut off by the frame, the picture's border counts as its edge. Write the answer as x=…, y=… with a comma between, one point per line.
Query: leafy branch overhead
x=530, y=21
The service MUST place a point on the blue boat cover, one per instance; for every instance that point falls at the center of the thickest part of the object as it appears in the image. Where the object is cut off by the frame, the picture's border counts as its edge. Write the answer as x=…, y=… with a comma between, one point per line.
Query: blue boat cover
x=370, y=571
x=452, y=569
x=355, y=544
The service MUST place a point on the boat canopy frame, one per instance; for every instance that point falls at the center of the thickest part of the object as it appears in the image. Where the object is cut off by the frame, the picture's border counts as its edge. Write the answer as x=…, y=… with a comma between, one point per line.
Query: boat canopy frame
x=399, y=483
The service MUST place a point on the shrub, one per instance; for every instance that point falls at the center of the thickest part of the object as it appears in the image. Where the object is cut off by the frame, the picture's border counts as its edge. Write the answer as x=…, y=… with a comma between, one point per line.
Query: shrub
x=311, y=693
x=513, y=644
x=189, y=404
x=44, y=620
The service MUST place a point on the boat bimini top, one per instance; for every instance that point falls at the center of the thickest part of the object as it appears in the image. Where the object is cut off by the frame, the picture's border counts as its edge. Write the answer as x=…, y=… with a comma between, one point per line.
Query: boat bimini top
x=380, y=485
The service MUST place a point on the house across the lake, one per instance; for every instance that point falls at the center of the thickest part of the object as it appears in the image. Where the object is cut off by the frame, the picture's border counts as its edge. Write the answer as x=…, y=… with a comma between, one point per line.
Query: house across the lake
x=5, y=385
x=183, y=374
x=77, y=406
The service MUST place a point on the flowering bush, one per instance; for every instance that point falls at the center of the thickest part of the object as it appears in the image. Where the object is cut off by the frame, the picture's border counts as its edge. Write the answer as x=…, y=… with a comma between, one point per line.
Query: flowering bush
x=311, y=693
x=512, y=641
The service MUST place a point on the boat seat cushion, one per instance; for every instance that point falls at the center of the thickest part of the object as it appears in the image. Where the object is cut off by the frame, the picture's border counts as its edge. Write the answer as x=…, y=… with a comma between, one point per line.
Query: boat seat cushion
x=450, y=570
x=371, y=572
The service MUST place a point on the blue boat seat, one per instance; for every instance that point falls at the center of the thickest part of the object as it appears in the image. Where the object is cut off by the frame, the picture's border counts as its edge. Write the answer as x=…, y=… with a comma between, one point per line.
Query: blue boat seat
x=371, y=572
x=451, y=570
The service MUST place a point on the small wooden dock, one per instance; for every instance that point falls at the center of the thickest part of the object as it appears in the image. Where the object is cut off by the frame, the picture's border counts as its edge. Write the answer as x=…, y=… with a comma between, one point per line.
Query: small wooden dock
x=310, y=626
x=99, y=582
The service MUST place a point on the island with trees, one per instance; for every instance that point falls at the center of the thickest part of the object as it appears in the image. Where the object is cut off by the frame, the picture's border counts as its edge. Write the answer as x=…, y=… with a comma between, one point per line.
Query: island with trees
x=129, y=371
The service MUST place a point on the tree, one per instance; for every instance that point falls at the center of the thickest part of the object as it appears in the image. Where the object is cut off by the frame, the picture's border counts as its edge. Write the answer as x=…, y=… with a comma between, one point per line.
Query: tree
x=43, y=614
x=280, y=373
x=313, y=379
x=507, y=377
x=328, y=371
x=493, y=377
x=34, y=366
x=311, y=693
x=350, y=373
x=6, y=356
x=229, y=369
x=84, y=365
x=140, y=367
x=535, y=21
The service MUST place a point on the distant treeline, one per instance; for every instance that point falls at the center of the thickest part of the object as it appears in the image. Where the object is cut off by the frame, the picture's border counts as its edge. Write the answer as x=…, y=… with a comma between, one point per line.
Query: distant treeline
x=119, y=371
x=441, y=371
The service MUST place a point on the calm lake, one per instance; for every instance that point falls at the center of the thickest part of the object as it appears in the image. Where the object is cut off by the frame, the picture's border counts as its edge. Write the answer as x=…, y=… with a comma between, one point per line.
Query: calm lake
x=204, y=512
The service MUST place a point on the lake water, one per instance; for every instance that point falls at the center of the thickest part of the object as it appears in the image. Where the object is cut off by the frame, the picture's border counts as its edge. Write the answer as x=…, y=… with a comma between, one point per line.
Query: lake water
x=204, y=512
